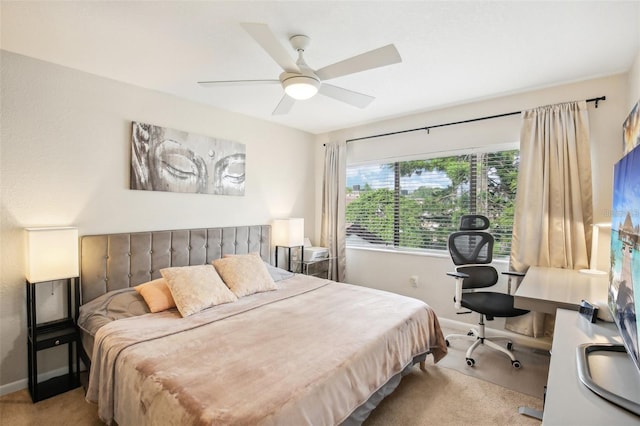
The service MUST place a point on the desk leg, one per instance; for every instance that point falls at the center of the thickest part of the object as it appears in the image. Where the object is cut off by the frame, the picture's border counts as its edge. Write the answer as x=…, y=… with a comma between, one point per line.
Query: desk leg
x=530, y=412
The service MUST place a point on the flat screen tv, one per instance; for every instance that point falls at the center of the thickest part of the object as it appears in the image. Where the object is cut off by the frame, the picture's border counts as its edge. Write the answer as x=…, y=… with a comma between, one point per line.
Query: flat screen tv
x=624, y=277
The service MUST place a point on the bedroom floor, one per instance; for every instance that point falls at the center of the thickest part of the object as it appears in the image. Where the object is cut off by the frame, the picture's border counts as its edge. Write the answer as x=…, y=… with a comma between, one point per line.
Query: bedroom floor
x=449, y=393
x=495, y=367
x=442, y=396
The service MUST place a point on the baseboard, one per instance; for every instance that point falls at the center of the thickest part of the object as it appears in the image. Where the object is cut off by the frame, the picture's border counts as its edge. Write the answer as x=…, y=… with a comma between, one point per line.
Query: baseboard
x=24, y=383
x=541, y=343
x=13, y=387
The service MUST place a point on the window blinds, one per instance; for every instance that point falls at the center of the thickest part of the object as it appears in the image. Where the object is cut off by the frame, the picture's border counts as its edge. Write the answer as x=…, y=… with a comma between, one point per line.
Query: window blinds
x=416, y=204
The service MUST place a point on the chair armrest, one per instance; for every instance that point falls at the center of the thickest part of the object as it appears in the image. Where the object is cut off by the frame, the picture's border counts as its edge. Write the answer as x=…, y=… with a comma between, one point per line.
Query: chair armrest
x=458, y=275
x=514, y=273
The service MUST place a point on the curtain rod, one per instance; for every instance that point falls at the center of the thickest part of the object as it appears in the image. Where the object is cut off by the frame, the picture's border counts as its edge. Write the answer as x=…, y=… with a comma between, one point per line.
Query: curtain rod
x=596, y=100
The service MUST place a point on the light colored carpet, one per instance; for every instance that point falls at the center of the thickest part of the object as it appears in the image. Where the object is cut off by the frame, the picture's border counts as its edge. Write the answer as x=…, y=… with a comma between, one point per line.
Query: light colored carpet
x=495, y=367
x=442, y=396
x=70, y=408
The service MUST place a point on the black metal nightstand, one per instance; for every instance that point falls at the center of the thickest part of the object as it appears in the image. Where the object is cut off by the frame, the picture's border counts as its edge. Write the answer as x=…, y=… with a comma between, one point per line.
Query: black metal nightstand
x=50, y=335
x=317, y=268
x=288, y=248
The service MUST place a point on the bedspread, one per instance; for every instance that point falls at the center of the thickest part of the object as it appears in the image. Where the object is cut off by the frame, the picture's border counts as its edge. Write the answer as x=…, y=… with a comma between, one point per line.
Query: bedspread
x=308, y=353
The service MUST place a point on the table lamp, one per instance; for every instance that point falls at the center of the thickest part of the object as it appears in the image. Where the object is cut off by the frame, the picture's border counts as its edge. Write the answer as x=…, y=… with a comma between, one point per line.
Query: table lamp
x=52, y=253
x=288, y=232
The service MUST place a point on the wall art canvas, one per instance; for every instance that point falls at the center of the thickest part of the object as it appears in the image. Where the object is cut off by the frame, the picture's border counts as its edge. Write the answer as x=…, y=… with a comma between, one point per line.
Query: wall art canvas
x=624, y=284
x=177, y=161
x=631, y=129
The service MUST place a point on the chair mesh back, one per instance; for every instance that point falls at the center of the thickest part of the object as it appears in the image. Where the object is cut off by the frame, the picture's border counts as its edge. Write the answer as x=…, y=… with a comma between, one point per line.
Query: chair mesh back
x=480, y=276
x=473, y=222
x=471, y=247
x=471, y=250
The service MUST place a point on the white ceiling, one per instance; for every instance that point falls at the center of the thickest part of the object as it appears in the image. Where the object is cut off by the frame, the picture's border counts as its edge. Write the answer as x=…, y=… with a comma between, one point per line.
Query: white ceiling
x=452, y=51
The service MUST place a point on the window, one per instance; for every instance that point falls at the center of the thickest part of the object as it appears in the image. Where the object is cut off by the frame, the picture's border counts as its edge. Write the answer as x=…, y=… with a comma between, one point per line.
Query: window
x=416, y=204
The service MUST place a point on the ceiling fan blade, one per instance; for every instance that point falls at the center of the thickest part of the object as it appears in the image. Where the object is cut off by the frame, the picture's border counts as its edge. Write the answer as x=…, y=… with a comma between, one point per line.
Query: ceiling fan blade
x=348, y=96
x=376, y=58
x=285, y=105
x=235, y=82
x=265, y=38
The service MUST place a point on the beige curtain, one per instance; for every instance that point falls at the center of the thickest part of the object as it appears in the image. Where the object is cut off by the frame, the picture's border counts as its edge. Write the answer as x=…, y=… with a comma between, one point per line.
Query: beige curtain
x=332, y=232
x=554, y=209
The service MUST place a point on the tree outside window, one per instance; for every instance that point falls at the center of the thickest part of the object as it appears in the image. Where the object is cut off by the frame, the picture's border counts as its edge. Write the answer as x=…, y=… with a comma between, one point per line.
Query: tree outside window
x=416, y=204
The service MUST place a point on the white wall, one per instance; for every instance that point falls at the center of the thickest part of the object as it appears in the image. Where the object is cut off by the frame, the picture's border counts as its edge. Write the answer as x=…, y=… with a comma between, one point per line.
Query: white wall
x=634, y=75
x=634, y=82
x=391, y=271
x=65, y=158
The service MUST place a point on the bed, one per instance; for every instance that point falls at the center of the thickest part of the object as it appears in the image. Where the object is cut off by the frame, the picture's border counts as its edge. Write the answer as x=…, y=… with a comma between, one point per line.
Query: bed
x=304, y=351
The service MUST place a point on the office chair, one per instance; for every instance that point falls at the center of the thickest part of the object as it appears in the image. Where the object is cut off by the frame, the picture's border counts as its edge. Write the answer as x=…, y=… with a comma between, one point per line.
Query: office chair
x=471, y=249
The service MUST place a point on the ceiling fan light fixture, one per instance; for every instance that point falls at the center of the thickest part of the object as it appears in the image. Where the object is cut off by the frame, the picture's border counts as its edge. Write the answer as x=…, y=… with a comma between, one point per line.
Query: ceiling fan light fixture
x=301, y=87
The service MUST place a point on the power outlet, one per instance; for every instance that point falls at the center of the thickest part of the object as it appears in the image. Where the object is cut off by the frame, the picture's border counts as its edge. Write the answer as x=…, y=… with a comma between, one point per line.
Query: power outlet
x=413, y=280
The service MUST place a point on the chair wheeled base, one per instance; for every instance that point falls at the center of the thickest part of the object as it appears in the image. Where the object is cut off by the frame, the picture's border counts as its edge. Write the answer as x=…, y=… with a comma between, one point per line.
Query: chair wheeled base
x=478, y=337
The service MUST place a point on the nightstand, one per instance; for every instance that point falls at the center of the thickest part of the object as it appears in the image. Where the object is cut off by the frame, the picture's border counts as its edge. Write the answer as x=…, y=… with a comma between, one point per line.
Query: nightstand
x=317, y=268
x=47, y=335
x=300, y=248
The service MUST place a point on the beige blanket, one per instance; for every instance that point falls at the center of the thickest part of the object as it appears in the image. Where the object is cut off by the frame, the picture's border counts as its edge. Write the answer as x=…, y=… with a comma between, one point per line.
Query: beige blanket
x=306, y=354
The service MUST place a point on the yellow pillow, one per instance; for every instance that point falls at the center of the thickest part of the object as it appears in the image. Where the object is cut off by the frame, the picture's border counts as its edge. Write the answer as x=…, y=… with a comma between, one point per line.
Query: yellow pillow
x=244, y=274
x=157, y=295
x=195, y=288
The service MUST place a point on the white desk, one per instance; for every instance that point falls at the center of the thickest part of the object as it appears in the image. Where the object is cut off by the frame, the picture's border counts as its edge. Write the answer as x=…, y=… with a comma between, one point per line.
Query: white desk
x=568, y=401
x=546, y=289
x=560, y=292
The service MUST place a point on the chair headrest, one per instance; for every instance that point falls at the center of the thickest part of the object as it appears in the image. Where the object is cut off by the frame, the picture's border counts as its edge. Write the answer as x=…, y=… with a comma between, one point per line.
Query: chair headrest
x=471, y=247
x=473, y=222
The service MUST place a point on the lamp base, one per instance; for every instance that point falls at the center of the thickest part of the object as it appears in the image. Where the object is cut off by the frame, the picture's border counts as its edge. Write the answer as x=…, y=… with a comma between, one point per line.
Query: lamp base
x=592, y=272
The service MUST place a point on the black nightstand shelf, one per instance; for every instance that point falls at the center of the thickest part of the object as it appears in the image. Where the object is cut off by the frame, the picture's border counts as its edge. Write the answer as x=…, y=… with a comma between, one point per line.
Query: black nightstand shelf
x=289, y=256
x=50, y=335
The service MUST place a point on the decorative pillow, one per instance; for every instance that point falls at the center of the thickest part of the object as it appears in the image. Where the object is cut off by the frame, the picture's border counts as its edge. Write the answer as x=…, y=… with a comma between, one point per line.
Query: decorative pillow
x=195, y=288
x=245, y=274
x=157, y=295
x=277, y=274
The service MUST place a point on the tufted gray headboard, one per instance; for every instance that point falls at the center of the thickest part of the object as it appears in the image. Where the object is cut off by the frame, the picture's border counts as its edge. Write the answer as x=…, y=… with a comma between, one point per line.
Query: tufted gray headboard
x=115, y=261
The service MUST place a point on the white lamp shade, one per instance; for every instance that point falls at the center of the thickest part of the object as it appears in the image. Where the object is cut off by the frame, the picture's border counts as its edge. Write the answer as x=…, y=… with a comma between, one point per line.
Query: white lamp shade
x=288, y=232
x=52, y=253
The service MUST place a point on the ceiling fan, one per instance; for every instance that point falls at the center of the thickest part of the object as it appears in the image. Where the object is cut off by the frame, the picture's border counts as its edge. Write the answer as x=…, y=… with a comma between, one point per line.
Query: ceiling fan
x=301, y=82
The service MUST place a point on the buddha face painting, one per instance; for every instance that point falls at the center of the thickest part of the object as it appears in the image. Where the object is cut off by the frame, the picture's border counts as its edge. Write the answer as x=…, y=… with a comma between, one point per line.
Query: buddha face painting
x=171, y=160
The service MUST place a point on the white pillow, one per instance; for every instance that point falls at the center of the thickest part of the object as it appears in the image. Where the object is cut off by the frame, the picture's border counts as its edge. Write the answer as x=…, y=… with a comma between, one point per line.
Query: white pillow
x=245, y=274
x=195, y=288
